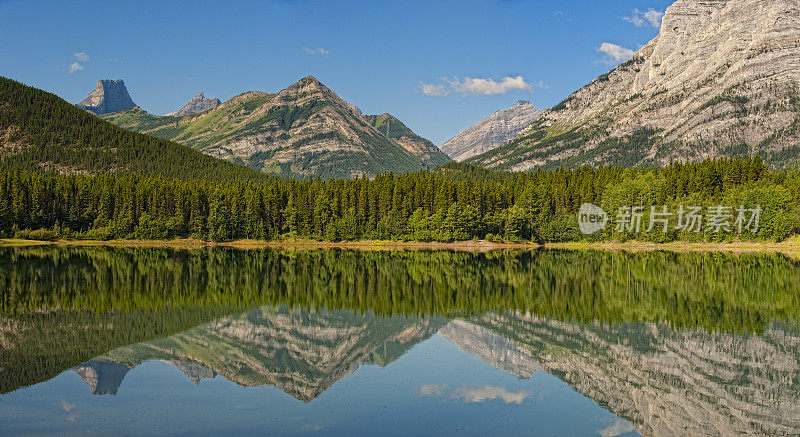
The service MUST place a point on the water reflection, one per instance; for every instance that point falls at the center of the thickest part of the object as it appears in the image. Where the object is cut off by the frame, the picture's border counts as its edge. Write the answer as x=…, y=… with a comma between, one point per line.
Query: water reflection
x=671, y=343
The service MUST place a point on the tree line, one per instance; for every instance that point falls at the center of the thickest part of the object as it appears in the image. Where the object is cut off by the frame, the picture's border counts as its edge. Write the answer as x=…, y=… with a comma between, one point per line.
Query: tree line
x=454, y=202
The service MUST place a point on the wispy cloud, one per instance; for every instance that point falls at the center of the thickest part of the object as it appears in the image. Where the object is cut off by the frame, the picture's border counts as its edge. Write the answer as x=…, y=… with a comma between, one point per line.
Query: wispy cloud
x=488, y=87
x=478, y=86
x=615, y=53
x=432, y=390
x=490, y=393
x=79, y=60
x=483, y=393
x=432, y=89
x=650, y=17
x=319, y=51
x=618, y=428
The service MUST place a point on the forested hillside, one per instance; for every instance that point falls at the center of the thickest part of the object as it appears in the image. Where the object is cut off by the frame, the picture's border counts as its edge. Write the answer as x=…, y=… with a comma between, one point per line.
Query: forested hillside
x=394, y=129
x=41, y=132
x=454, y=202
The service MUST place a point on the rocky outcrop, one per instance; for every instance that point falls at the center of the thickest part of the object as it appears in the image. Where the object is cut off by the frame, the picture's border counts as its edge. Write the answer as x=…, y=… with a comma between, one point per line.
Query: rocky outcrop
x=720, y=79
x=199, y=103
x=492, y=131
x=109, y=96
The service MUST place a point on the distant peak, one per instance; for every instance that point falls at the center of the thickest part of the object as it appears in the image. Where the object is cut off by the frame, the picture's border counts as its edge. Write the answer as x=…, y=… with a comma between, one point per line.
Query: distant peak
x=199, y=103
x=110, y=95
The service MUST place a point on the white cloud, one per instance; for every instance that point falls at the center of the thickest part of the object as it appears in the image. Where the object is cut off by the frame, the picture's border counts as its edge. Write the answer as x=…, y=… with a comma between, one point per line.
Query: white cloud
x=617, y=428
x=488, y=87
x=432, y=89
x=432, y=390
x=650, y=17
x=66, y=406
x=615, y=53
x=490, y=393
x=80, y=58
x=73, y=67
x=317, y=51
x=478, y=86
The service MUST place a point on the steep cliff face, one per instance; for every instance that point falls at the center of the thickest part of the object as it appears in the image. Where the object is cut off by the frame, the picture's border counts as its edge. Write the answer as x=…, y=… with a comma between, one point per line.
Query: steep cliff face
x=304, y=130
x=108, y=96
x=492, y=131
x=720, y=79
x=667, y=381
x=199, y=103
x=429, y=155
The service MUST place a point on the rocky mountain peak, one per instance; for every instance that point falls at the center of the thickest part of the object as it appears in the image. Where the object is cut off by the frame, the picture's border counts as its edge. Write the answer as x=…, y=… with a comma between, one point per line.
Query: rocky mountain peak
x=108, y=96
x=492, y=131
x=310, y=88
x=199, y=103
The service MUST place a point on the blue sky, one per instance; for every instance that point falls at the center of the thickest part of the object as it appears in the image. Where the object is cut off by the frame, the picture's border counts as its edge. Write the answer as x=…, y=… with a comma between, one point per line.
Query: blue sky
x=478, y=56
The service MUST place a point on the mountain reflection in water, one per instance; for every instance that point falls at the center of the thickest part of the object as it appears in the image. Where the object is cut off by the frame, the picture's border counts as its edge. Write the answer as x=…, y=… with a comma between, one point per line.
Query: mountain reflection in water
x=673, y=343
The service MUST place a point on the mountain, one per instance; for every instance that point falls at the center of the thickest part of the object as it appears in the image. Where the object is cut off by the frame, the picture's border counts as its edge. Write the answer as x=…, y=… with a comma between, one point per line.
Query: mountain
x=304, y=130
x=492, y=131
x=40, y=131
x=199, y=103
x=301, y=352
x=108, y=96
x=669, y=381
x=720, y=79
x=394, y=129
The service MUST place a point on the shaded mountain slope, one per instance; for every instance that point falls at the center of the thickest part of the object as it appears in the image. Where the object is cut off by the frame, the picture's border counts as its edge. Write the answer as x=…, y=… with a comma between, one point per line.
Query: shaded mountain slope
x=394, y=129
x=40, y=131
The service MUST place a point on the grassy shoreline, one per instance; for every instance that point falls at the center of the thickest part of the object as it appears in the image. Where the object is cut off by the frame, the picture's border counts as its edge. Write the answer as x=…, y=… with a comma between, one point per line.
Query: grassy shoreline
x=791, y=246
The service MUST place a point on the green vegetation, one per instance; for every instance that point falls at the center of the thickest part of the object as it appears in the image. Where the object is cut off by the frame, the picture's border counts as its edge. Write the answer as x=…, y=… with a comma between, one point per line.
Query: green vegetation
x=454, y=202
x=393, y=128
x=715, y=291
x=41, y=132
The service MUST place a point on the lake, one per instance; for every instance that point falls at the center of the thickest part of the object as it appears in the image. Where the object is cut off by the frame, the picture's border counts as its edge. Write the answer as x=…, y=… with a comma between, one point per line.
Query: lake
x=343, y=342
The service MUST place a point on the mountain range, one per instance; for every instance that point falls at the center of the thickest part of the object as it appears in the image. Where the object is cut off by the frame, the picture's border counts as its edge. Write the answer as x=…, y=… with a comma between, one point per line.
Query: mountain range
x=664, y=381
x=720, y=79
x=303, y=130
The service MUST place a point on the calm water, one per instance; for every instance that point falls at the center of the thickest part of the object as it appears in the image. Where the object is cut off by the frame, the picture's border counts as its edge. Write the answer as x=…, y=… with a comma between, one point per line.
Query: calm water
x=161, y=341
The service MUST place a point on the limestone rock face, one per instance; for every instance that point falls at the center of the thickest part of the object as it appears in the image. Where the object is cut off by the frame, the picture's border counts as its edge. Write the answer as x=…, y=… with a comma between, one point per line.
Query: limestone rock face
x=492, y=131
x=108, y=96
x=720, y=79
x=199, y=103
